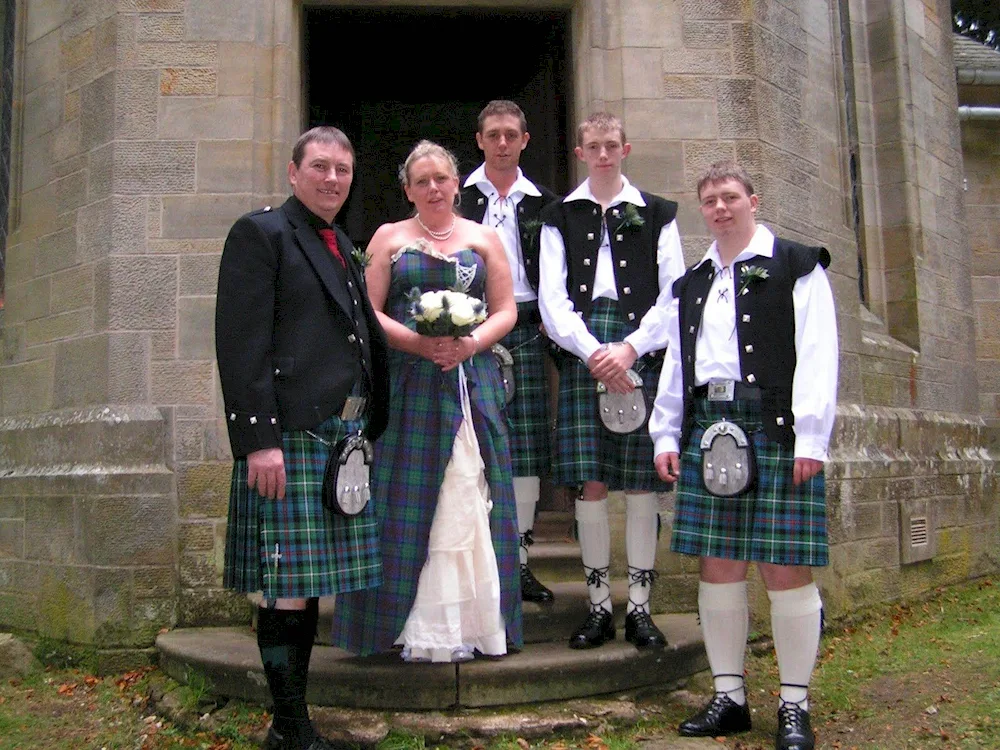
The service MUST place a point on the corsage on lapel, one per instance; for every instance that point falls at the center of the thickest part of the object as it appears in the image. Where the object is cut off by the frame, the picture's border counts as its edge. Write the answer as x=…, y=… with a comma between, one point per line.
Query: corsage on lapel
x=751, y=275
x=630, y=218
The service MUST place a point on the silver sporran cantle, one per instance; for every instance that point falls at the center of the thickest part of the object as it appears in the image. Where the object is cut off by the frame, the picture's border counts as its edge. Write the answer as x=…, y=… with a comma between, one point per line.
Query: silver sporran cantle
x=505, y=361
x=727, y=460
x=623, y=413
x=346, y=481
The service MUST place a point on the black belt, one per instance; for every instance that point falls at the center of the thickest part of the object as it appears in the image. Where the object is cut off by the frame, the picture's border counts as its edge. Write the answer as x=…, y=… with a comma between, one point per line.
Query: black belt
x=741, y=392
x=529, y=316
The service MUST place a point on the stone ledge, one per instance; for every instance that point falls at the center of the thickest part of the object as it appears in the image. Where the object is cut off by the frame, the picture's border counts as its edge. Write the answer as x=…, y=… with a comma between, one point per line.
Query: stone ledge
x=82, y=441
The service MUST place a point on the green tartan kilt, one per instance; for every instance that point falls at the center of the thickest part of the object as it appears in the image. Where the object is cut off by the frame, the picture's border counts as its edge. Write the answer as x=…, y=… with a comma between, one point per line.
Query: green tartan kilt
x=319, y=552
x=585, y=450
x=528, y=413
x=776, y=522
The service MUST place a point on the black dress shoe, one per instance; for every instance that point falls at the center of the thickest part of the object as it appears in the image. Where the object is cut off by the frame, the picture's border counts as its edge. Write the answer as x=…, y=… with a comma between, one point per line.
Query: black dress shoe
x=794, y=732
x=641, y=631
x=531, y=588
x=596, y=629
x=721, y=717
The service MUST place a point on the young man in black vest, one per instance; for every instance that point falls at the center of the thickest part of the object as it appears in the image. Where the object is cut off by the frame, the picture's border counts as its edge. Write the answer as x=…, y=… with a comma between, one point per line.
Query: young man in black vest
x=498, y=195
x=753, y=341
x=609, y=254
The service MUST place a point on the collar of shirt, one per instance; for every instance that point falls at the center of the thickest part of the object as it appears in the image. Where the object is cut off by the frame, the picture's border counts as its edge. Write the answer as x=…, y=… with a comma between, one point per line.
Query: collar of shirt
x=522, y=185
x=628, y=194
x=762, y=243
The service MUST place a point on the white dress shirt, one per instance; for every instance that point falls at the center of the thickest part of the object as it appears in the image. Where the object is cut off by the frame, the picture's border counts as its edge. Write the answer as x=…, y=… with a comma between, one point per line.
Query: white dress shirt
x=814, y=385
x=563, y=325
x=501, y=214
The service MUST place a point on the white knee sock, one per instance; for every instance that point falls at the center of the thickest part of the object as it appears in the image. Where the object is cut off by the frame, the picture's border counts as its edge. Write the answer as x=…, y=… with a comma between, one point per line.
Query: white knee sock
x=595, y=547
x=640, y=545
x=526, y=490
x=725, y=623
x=795, y=625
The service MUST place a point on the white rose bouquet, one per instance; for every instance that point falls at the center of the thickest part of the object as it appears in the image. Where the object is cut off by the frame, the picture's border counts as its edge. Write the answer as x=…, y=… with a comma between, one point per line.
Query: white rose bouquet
x=445, y=313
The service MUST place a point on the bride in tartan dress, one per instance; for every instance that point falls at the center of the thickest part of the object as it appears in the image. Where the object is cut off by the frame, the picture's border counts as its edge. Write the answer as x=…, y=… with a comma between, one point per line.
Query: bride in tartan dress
x=442, y=479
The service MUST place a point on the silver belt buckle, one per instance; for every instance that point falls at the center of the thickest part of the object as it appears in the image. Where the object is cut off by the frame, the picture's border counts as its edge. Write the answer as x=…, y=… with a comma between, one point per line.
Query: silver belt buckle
x=354, y=407
x=721, y=390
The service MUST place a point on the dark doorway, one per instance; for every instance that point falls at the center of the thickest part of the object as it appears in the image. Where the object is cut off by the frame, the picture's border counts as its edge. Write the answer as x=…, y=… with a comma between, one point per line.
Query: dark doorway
x=402, y=74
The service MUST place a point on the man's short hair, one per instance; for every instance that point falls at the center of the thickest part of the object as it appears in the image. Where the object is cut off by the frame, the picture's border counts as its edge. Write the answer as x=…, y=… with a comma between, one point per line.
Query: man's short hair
x=500, y=108
x=322, y=134
x=723, y=170
x=603, y=121
x=427, y=148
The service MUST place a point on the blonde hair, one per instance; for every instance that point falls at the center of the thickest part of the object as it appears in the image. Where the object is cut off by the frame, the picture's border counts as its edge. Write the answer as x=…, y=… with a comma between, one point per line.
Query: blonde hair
x=602, y=121
x=422, y=149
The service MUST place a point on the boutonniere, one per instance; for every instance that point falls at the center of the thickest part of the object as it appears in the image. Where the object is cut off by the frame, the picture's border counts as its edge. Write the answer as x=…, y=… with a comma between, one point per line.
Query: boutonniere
x=361, y=257
x=751, y=275
x=630, y=218
x=532, y=229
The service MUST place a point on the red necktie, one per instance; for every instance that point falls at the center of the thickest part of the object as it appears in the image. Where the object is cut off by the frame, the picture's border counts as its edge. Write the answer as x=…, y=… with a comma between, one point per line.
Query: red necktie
x=331, y=242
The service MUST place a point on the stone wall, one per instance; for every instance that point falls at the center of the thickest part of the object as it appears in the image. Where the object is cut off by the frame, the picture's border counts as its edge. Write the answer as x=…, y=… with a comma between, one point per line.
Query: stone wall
x=149, y=125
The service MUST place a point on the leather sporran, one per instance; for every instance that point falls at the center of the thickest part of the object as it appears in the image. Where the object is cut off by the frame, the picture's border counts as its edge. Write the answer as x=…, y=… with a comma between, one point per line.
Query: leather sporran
x=346, y=480
x=505, y=361
x=728, y=465
x=623, y=413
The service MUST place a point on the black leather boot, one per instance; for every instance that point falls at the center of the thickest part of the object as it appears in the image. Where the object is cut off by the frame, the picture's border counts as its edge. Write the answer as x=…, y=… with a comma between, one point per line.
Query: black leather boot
x=721, y=717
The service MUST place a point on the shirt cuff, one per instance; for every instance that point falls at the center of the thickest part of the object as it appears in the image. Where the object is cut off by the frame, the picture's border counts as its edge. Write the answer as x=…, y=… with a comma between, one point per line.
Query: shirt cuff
x=640, y=342
x=665, y=444
x=808, y=446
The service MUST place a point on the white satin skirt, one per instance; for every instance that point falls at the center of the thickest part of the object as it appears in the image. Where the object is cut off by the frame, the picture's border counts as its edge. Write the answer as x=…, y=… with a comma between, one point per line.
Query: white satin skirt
x=457, y=607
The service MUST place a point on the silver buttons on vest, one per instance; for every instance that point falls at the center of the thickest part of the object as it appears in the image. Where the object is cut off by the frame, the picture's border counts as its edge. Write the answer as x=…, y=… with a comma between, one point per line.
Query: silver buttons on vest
x=749, y=348
x=780, y=421
x=751, y=378
x=746, y=318
x=691, y=329
x=586, y=261
x=352, y=338
x=619, y=237
x=590, y=235
x=623, y=263
x=631, y=316
x=583, y=287
x=627, y=290
x=698, y=301
x=253, y=420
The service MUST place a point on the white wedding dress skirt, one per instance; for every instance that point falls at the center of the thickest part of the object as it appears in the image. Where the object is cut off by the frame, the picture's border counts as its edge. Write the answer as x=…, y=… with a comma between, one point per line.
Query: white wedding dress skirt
x=457, y=607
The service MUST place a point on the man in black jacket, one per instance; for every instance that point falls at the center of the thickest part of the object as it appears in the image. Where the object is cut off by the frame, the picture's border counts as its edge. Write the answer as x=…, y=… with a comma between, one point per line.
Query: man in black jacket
x=302, y=361
x=498, y=195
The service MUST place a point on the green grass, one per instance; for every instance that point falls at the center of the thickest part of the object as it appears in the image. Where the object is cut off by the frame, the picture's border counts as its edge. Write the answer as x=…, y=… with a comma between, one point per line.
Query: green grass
x=924, y=674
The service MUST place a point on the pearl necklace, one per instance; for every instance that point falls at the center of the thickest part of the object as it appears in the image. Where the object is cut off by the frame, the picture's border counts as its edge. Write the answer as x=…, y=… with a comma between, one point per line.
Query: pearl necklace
x=439, y=236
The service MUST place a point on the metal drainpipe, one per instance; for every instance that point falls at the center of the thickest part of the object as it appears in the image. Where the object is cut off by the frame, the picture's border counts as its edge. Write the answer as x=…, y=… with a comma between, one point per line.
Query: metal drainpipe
x=978, y=113
x=978, y=77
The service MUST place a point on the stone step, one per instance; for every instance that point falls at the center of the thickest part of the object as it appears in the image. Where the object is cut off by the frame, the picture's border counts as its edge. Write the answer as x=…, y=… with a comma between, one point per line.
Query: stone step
x=228, y=659
x=554, y=621
x=552, y=562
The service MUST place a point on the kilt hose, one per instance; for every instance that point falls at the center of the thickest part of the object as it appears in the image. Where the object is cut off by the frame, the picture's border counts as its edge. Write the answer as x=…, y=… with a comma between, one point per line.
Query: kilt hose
x=528, y=413
x=776, y=522
x=319, y=552
x=585, y=450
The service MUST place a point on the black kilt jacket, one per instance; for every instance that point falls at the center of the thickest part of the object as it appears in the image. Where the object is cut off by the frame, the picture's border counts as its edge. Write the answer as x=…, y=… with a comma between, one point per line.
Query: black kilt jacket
x=293, y=331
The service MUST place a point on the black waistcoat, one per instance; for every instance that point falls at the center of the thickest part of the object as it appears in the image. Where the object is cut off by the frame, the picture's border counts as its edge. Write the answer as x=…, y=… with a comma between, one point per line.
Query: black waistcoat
x=633, y=250
x=473, y=207
x=765, y=330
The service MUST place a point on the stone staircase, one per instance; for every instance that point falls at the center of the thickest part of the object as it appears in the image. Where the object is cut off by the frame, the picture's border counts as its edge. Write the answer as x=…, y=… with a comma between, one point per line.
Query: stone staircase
x=546, y=669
